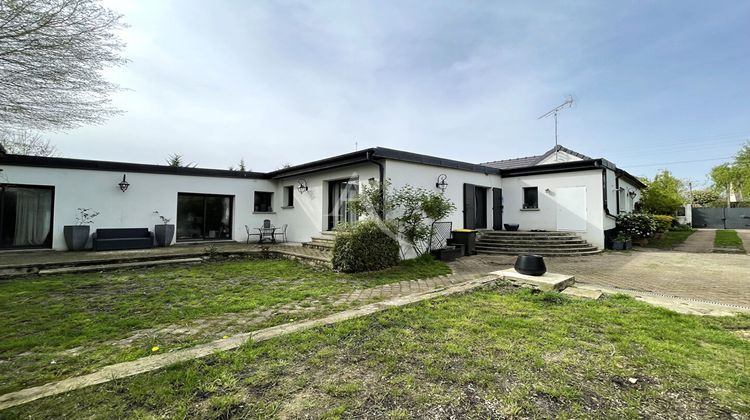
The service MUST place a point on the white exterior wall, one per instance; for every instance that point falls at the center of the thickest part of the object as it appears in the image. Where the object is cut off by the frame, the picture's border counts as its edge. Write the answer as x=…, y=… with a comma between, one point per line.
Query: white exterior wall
x=546, y=216
x=98, y=190
x=425, y=176
x=309, y=216
x=627, y=204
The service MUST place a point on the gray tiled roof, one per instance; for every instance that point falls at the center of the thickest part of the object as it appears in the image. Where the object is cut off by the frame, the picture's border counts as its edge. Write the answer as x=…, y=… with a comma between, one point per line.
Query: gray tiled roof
x=524, y=162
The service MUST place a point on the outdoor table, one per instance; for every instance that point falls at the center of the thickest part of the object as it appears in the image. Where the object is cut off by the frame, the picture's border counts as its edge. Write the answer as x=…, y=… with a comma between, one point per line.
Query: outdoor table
x=267, y=233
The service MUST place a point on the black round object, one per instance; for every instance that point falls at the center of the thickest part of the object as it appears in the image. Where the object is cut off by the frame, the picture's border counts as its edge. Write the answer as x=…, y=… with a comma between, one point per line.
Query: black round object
x=531, y=265
x=511, y=226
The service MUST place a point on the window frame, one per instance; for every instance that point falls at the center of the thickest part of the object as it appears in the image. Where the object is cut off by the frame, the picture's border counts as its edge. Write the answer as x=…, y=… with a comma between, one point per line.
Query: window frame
x=288, y=197
x=524, y=204
x=255, y=202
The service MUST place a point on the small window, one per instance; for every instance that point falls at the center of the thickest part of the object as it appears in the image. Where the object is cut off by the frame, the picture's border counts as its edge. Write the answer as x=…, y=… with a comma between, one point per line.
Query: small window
x=263, y=202
x=289, y=196
x=530, y=198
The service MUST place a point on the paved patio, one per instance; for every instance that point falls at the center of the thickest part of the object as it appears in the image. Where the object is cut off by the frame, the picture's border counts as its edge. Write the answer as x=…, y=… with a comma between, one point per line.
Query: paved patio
x=721, y=278
x=49, y=258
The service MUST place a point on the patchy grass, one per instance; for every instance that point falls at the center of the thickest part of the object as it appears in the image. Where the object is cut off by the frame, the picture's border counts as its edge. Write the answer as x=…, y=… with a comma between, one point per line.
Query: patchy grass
x=728, y=239
x=671, y=239
x=59, y=326
x=490, y=354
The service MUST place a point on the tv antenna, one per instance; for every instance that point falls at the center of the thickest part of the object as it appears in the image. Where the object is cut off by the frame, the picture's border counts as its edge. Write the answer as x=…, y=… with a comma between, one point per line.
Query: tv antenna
x=567, y=104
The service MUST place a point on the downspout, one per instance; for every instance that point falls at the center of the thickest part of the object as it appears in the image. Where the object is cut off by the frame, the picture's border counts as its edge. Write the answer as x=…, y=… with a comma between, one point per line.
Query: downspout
x=381, y=169
x=604, y=194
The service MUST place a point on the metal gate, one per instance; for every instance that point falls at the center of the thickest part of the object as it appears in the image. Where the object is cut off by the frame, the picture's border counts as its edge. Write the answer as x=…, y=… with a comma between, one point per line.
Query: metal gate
x=721, y=218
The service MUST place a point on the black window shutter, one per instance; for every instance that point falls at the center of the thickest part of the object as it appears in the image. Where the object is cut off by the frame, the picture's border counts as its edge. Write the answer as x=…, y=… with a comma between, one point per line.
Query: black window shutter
x=470, y=217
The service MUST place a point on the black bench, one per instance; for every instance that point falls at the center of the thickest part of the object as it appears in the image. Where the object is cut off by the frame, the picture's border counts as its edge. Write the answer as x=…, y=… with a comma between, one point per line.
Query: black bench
x=122, y=238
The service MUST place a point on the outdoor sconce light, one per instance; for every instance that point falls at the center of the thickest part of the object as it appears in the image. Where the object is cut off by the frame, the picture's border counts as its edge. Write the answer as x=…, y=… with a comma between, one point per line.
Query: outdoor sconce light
x=302, y=187
x=441, y=182
x=124, y=184
x=632, y=193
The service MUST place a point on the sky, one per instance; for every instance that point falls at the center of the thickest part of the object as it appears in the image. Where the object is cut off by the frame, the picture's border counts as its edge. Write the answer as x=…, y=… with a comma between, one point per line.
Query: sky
x=657, y=84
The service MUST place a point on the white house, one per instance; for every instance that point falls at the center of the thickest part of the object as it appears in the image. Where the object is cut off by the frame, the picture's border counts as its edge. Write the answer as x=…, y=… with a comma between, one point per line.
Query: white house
x=560, y=190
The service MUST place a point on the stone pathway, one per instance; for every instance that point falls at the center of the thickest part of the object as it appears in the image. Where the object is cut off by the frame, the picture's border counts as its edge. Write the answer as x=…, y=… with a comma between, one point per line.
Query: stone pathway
x=155, y=362
x=700, y=241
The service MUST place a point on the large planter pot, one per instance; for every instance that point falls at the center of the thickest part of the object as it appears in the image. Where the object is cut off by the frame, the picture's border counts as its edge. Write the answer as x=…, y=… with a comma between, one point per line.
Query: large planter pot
x=511, y=226
x=618, y=245
x=531, y=265
x=164, y=234
x=76, y=237
x=628, y=244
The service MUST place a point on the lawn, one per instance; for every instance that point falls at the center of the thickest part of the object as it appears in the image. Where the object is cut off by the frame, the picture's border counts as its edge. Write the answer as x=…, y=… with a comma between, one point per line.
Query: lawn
x=671, y=239
x=499, y=352
x=56, y=327
x=728, y=239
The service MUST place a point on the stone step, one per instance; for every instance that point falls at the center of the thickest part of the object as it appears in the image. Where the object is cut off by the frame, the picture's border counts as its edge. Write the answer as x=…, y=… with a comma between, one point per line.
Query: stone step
x=577, y=242
x=524, y=233
x=118, y=266
x=542, y=253
x=547, y=281
x=582, y=293
x=318, y=246
x=533, y=246
x=562, y=240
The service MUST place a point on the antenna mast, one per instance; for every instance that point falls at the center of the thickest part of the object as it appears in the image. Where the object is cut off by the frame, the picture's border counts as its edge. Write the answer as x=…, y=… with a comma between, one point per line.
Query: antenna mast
x=567, y=104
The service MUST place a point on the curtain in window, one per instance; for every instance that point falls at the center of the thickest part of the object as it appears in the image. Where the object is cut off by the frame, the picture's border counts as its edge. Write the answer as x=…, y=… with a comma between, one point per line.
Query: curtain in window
x=33, y=216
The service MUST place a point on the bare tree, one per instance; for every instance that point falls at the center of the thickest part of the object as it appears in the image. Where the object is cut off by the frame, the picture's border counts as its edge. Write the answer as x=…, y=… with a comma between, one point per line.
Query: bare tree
x=178, y=161
x=25, y=142
x=52, y=53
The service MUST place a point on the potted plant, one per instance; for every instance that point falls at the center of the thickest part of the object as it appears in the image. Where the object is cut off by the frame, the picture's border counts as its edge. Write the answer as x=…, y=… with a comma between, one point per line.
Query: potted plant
x=77, y=236
x=163, y=232
x=622, y=242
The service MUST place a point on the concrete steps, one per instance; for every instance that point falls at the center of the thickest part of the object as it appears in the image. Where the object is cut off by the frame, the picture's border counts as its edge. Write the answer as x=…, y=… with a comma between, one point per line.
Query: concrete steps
x=323, y=242
x=548, y=244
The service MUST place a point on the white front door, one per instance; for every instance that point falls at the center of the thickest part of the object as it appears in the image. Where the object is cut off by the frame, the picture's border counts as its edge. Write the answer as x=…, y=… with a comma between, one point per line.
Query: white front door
x=571, y=209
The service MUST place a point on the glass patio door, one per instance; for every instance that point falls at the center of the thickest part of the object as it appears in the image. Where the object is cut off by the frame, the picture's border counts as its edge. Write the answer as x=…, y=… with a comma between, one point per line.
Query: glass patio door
x=26, y=216
x=340, y=193
x=203, y=217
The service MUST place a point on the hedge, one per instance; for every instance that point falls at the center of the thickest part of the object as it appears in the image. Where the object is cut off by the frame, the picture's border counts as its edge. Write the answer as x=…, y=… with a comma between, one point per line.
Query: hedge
x=663, y=222
x=368, y=245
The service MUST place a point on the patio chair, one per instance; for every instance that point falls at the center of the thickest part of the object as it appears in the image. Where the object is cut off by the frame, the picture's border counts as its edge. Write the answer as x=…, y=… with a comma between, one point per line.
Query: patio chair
x=281, y=232
x=249, y=234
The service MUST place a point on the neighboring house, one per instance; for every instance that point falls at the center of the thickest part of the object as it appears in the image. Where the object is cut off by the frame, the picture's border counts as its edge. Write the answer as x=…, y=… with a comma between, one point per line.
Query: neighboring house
x=559, y=190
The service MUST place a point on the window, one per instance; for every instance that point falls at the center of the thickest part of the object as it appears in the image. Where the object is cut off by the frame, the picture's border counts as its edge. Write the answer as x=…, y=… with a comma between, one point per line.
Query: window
x=263, y=202
x=289, y=196
x=530, y=198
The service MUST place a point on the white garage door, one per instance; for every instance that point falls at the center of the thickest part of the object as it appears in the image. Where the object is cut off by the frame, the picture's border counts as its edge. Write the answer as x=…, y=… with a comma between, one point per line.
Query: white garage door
x=571, y=209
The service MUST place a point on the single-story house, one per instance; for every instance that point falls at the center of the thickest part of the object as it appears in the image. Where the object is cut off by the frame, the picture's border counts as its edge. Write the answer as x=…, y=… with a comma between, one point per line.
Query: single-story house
x=560, y=190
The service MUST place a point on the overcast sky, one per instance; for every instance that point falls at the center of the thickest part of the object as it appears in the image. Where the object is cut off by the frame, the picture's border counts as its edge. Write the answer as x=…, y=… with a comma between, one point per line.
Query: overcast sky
x=274, y=82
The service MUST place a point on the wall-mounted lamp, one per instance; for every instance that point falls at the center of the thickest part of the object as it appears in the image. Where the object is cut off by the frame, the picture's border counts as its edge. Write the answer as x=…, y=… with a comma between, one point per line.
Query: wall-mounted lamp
x=124, y=184
x=441, y=182
x=302, y=187
x=548, y=191
x=632, y=193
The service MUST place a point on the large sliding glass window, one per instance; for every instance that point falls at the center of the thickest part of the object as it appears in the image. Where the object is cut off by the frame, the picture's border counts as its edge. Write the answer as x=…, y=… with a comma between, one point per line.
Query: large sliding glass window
x=26, y=216
x=340, y=193
x=203, y=217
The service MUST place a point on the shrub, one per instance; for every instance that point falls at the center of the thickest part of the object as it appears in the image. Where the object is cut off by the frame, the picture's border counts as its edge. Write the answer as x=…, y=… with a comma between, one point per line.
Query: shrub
x=367, y=245
x=680, y=227
x=637, y=225
x=663, y=222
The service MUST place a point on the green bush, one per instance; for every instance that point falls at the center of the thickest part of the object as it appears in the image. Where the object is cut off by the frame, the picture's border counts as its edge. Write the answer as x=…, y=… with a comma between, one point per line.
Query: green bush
x=367, y=245
x=663, y=222
x=637, y=225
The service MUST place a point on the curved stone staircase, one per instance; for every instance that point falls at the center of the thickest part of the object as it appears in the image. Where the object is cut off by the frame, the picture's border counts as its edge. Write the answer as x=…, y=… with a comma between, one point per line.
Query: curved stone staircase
x=548, y=244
